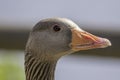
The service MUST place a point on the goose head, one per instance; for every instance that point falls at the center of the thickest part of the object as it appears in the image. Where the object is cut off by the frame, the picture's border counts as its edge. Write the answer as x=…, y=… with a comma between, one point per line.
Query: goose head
x=51, y=39
x=56, y=37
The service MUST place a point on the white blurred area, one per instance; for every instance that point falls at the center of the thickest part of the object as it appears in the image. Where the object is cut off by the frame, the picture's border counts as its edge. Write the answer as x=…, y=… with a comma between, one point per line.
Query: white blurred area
x=88, y=68
x=92, y=14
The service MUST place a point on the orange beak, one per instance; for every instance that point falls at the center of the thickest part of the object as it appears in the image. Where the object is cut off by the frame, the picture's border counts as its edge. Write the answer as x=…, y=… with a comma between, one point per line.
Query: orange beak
x=82, y=40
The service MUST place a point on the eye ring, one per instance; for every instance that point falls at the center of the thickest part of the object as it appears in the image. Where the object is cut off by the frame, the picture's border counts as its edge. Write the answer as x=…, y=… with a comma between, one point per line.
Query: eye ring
x=56, y=28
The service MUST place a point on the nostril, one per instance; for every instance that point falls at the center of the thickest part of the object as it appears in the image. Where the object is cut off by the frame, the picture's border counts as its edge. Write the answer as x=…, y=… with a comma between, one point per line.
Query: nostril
x=86, y=35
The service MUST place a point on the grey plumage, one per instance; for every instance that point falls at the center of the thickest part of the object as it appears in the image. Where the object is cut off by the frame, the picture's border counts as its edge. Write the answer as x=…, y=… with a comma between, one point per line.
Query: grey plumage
x=51, y=39
x=42, y=47
x=39, y=70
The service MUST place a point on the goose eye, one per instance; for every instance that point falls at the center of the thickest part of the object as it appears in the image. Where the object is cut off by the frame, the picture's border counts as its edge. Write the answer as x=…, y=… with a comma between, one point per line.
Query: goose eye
x=56, y=28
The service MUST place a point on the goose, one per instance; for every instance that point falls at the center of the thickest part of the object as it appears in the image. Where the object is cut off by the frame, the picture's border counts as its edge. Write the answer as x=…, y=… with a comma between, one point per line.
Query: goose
x=52, y=38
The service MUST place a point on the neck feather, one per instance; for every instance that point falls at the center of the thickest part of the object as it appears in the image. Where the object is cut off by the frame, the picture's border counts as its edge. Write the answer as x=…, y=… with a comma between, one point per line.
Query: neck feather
x=37, y=69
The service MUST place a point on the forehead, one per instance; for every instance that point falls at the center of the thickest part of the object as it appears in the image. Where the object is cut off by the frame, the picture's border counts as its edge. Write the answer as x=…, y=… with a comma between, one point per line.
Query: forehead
x=62, y=21
x=45, y=23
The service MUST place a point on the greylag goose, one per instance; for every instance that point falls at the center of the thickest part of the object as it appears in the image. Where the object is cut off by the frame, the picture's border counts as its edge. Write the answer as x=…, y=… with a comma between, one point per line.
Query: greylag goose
x=52, y=38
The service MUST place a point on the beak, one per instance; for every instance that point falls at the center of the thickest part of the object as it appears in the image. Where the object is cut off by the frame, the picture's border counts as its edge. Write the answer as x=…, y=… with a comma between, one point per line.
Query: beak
x=82, y=40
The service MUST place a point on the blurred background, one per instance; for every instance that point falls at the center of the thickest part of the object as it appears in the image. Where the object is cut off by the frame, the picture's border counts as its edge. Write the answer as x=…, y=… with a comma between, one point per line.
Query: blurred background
x=99, y=17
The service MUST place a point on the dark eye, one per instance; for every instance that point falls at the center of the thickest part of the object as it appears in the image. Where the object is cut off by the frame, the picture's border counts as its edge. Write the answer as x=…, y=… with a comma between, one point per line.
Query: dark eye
x=56, y=28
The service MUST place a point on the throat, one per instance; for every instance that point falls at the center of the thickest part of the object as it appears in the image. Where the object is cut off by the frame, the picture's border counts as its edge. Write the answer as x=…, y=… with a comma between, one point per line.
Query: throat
x=36, y=69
